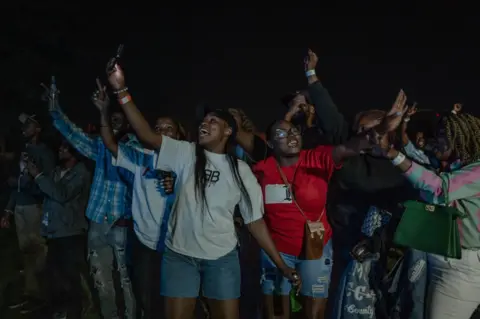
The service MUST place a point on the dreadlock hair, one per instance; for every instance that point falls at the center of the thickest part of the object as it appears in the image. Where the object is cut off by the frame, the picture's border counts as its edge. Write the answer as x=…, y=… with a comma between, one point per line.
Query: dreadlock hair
x=200, y=177
x=463, y=135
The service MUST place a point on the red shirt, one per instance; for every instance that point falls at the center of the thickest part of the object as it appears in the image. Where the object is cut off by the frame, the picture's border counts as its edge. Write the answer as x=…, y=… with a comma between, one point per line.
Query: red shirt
x=285, y=222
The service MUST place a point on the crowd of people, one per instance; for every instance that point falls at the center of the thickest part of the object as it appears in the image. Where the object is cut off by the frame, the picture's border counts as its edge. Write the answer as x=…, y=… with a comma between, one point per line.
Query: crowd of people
x=230, y=222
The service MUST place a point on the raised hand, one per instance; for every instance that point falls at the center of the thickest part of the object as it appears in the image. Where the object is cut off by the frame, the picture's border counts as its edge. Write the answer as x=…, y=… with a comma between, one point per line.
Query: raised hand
x=310, y=115
x=394, y=117
x=310, y=60
x=237, y=116
x=100, y=97
x=116, y=78
x=50, y=96
x=400, y=104
x=412, y=110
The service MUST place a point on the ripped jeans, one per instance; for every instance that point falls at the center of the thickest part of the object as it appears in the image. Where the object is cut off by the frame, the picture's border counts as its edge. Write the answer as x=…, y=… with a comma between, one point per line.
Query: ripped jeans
x=315, y=274
x=107, y=244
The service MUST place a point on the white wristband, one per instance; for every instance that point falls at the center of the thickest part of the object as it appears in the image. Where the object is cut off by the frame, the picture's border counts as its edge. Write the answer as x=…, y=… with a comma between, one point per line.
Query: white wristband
x=310, y=73
x=407, y=119
x=454, y=112
x=398, y=159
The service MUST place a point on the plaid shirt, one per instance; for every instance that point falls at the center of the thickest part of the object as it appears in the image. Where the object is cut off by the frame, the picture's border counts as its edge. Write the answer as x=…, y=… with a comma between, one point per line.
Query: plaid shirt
x=111, y=191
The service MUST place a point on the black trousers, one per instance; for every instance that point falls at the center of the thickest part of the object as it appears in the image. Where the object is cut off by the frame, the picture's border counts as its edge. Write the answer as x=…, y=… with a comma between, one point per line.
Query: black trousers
x=146, y=266
x=66, y=262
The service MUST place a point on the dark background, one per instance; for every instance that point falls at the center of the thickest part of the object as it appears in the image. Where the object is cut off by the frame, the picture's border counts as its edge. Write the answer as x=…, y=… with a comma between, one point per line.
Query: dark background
x=238, y=57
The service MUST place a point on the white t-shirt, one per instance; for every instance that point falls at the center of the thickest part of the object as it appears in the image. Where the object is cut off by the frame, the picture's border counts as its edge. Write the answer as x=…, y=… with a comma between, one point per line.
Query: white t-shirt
x=150, y=205
x=195, y=230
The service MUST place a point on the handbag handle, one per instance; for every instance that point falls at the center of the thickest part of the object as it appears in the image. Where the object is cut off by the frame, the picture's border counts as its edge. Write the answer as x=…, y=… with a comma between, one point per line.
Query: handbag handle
x=290, y=188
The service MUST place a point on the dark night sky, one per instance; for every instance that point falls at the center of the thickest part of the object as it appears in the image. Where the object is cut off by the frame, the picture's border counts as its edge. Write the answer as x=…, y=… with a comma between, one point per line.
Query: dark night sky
x=245, y=57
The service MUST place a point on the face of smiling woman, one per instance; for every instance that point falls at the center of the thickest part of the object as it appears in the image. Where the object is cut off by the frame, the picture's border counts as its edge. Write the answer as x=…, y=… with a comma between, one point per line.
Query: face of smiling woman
x=286, y=139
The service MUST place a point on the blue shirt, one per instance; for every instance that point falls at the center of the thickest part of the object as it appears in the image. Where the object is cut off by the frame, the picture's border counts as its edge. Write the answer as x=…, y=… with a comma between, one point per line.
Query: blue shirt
x=110, y=193
x=151, y=207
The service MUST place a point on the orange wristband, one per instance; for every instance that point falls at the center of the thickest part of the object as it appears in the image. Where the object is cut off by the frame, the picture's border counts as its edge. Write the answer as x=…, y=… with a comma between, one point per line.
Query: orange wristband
x=124, y=100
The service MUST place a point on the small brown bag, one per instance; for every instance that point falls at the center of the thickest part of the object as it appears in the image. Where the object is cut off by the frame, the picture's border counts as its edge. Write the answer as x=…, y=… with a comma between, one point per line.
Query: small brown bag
x=314, y=231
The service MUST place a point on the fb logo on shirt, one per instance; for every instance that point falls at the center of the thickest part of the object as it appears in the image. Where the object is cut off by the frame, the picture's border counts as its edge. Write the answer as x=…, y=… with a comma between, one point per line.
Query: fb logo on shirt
x=211, y=177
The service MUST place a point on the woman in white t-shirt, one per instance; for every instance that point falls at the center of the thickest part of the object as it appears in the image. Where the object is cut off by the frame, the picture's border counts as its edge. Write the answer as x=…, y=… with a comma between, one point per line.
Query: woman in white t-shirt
x=201, y=242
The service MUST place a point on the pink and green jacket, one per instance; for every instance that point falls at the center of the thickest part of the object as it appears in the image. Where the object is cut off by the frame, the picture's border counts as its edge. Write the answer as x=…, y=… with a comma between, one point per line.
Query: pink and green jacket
x=462, y=190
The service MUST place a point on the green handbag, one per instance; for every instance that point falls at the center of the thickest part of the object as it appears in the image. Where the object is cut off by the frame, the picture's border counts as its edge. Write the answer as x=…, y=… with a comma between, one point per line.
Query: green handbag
x=430, y=228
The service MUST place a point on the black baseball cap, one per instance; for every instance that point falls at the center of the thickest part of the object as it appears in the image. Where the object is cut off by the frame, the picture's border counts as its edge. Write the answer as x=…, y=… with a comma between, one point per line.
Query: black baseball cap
x=204, y=109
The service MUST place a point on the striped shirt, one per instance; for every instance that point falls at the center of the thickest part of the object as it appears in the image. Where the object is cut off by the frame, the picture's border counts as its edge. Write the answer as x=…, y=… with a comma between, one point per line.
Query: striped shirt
x=462, y=191
x=111, y=190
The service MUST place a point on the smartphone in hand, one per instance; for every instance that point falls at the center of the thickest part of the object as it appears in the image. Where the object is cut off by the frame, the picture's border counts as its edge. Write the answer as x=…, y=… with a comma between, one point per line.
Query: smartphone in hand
x=113, y=61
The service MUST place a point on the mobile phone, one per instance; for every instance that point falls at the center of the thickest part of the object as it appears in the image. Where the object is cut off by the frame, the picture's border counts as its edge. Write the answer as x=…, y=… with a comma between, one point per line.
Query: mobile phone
x=113, y=61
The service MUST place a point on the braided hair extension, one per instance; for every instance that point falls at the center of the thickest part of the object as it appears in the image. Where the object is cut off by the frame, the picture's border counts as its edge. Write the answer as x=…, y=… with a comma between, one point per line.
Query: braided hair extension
x=463, y=134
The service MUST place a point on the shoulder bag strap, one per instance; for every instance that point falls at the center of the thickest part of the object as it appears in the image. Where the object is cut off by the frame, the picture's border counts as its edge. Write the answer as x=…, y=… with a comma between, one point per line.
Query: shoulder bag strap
x=290, y=188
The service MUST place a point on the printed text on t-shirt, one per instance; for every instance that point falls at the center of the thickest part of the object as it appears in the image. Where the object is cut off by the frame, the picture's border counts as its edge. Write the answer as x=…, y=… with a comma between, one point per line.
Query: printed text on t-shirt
x=211, y=177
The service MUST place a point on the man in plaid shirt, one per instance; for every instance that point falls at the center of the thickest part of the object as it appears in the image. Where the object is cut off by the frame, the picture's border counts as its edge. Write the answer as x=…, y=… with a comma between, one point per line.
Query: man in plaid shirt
x=108, y=210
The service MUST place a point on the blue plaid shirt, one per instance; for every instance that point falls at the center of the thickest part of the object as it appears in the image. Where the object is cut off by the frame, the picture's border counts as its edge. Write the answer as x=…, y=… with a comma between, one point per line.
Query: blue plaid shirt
x=111, y=190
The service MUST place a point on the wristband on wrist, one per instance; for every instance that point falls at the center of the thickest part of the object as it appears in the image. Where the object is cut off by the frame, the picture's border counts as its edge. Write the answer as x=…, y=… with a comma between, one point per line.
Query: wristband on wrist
x=407, y=119
x=125, y=89
x=310, y=73
x=398, y=159
x=124, y=100
x=454, y=112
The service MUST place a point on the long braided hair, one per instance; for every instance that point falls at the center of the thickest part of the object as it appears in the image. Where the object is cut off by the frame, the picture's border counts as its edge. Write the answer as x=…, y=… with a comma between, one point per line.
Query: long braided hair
x=463, y=134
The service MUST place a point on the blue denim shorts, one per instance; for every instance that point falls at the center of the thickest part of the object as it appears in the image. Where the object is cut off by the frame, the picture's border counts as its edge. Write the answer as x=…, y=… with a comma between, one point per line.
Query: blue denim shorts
x=182, y=276
x=315, y=274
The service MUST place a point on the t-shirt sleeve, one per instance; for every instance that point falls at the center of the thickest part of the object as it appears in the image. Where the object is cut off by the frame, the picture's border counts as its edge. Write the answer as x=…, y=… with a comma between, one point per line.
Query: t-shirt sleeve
x=255, y=212
x=131, y=157
x=174, y=155
x=321, y=158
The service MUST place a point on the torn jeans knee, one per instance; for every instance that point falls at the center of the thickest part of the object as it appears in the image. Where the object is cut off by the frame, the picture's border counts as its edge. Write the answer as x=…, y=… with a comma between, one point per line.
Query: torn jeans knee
x=101, y=272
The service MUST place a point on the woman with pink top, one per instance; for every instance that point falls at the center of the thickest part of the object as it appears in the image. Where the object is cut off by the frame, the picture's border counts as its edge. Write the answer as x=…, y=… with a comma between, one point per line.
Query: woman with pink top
x=454, y=287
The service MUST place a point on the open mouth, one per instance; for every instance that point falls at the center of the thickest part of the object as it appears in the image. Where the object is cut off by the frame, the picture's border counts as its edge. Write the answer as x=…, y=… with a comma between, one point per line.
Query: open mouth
x=203, y=132
x=292, y=143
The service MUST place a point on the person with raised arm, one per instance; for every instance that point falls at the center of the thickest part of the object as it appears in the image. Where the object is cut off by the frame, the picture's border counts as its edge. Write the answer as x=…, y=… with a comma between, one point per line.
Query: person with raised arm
x=151, y=204
x=454, y=287
x=108, y=210
x=294, y=182
x=201, y=245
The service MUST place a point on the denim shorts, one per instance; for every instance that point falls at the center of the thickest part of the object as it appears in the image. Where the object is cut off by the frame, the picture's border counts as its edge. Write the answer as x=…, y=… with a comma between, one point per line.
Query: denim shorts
x=315, y=274
x=182, y=276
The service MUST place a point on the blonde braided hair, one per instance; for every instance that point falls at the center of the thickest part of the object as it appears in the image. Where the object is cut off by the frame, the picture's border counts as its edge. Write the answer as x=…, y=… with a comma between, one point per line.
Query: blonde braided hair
x=463, y=135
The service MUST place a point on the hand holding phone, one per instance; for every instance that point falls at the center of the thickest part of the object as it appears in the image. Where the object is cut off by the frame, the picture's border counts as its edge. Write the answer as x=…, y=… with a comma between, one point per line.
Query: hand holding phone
x=113, y=61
